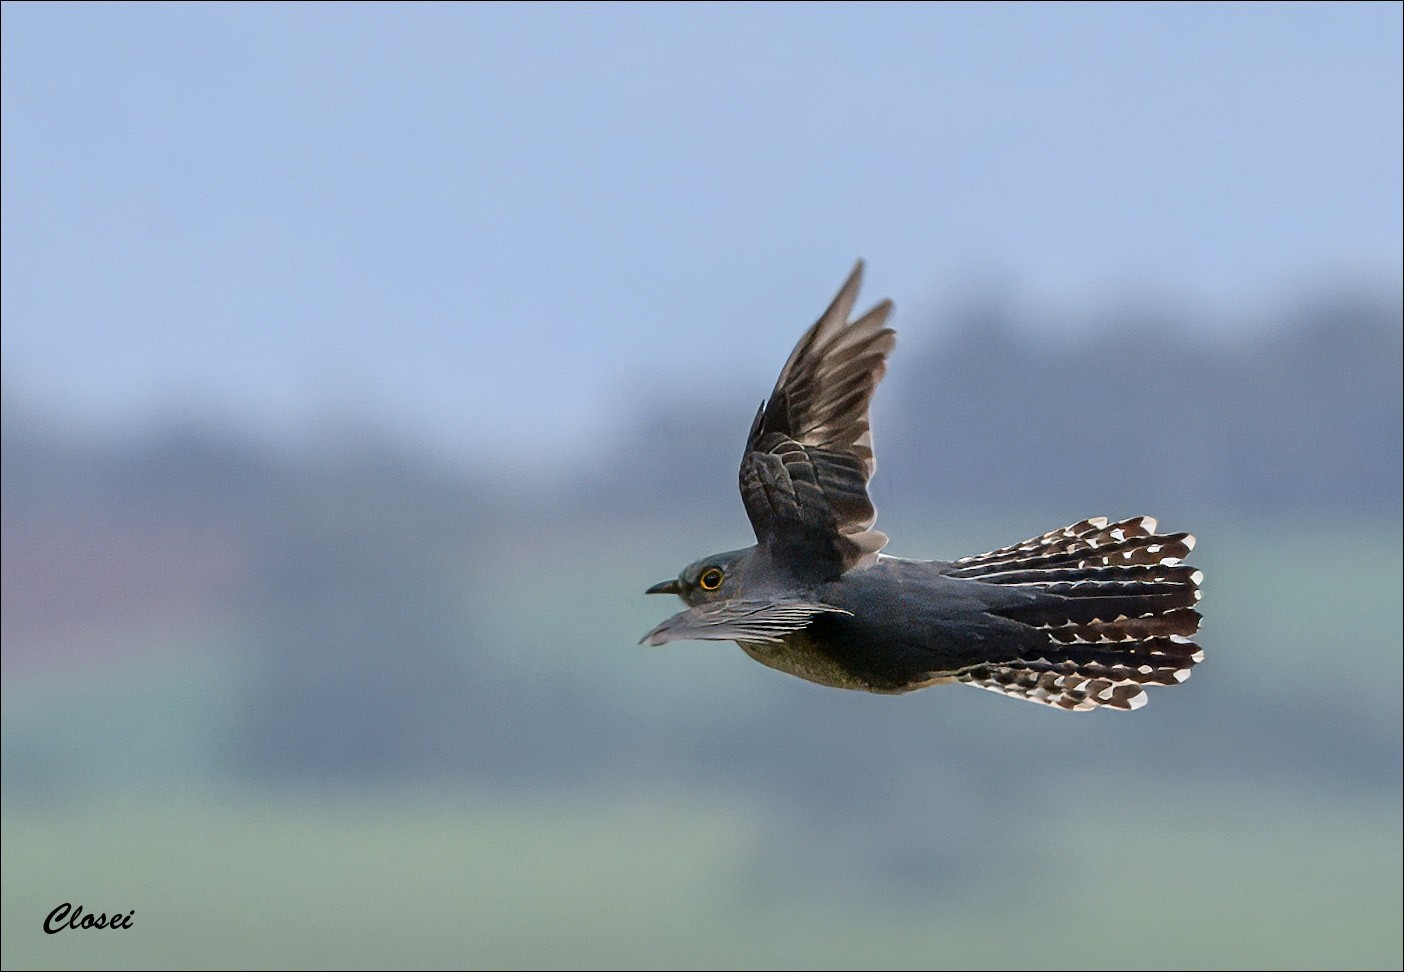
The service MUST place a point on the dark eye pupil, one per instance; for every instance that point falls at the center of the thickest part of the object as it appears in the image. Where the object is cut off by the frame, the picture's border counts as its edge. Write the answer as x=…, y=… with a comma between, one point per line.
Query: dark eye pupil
x=711, y=579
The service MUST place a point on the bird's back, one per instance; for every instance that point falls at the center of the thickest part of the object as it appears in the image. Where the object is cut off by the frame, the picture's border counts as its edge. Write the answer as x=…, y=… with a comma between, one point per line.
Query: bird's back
x=909, y=624
x=1079, y=618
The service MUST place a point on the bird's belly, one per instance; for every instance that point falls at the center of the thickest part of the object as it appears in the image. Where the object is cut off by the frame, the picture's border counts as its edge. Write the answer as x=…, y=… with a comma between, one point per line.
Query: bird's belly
x=798, y=654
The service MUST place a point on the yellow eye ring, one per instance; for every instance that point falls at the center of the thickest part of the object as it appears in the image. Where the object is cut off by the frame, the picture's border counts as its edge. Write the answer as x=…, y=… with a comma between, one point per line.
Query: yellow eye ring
x=711, y=579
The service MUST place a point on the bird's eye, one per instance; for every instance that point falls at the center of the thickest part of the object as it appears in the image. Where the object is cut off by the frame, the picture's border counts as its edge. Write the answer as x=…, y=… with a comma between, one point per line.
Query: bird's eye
x=711, y=579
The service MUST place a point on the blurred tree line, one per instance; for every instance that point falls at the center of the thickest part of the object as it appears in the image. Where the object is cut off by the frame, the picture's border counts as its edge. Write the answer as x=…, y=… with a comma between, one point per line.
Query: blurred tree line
x=347, y=575
x=1138, y=414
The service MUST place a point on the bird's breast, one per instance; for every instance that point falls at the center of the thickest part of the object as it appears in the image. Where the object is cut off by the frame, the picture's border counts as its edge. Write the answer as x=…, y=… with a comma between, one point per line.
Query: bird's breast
x=799, y=655
x=802, y=655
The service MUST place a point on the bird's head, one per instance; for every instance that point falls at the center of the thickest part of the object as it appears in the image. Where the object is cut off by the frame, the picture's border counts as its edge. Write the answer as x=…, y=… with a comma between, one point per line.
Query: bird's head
x=714, y=578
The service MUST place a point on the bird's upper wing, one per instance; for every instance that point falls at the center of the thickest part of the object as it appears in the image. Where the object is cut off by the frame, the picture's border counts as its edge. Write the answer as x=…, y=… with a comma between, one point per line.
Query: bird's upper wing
x=804, y=477
x=750, y=621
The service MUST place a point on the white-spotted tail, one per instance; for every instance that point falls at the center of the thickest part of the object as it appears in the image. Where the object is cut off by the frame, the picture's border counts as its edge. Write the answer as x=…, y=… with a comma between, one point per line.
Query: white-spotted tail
x=1114, y=606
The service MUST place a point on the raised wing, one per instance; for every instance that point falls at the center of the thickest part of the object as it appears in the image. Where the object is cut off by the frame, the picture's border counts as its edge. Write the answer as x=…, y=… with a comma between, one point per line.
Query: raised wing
x=804, y=477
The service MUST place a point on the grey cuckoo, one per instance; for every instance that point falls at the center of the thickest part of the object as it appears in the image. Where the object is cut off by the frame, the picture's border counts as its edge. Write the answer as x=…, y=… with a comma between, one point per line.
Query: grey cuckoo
x=1080, y=618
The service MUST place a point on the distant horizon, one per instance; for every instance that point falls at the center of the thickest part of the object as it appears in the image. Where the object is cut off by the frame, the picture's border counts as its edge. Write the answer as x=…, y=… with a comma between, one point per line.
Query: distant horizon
x=1136, y=408
x=345, y=418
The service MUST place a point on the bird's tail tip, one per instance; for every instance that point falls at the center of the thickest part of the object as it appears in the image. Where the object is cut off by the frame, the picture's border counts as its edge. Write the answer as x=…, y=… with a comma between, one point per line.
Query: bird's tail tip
x=1112, y=610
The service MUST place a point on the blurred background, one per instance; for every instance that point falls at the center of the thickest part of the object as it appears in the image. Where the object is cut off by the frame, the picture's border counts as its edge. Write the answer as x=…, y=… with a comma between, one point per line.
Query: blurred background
x=363, y=364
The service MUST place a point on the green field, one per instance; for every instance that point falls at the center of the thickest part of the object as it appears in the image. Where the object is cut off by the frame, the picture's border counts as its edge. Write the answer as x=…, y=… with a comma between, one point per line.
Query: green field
x=695, y=810
x=660, y=880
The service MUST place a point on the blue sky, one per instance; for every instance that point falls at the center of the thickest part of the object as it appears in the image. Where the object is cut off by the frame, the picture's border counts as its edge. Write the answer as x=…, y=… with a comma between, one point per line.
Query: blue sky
x=499, y=225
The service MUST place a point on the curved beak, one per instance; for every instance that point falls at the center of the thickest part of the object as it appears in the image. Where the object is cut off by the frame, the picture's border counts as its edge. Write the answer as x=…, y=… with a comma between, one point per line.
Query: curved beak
x=665, y=587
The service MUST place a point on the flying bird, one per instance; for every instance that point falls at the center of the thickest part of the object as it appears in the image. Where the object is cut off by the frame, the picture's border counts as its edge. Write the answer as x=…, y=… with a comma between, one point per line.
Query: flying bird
x=1080, y=618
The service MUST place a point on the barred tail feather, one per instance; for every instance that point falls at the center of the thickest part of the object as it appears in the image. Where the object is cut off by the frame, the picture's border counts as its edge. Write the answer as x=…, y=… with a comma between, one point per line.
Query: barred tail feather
x=1114, y=611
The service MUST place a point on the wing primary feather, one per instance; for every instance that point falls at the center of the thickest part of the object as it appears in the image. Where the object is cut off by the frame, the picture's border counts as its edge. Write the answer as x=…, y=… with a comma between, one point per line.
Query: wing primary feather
x=809, y=456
